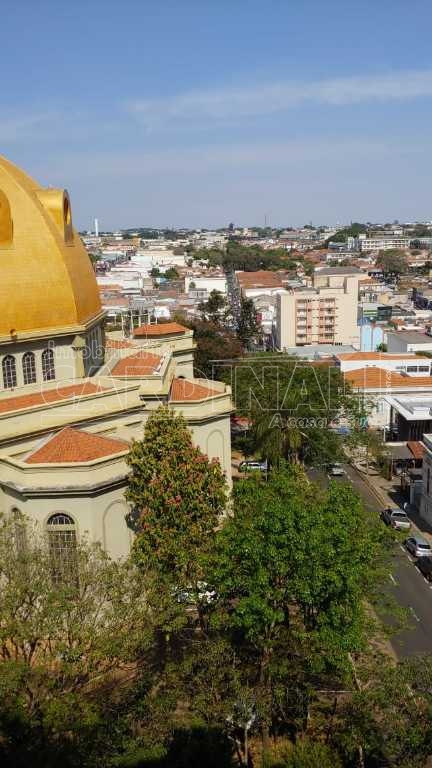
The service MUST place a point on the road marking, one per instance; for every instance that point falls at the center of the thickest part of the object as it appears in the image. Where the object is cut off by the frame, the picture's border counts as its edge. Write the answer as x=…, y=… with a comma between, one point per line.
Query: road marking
x=392, y=579
x=414, y=613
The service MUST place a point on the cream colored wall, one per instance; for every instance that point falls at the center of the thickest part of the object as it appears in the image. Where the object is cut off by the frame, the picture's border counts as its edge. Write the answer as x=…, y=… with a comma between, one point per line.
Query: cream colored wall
x=99, y=519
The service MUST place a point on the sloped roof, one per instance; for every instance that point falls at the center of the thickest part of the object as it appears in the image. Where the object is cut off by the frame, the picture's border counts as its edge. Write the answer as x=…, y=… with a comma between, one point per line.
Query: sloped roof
x=379, y=378
x=141, y=364
x=72, y=445
x=417, y=448
x=380, y=356
x=47, y=396
x=183, y=390
x=160, y=329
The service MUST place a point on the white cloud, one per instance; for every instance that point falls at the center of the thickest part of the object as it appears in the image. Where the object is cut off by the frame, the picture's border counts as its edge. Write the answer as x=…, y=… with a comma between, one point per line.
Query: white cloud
x=270, y=98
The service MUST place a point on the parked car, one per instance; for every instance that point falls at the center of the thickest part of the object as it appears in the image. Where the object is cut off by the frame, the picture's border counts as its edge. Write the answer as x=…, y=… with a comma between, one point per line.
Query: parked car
x=424, y=564
x=397, y=518
x=418, y=546
x=253, y=466
x=336, y=470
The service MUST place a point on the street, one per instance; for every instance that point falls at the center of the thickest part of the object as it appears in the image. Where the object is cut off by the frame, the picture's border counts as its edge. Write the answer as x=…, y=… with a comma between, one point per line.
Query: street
x=405, y=582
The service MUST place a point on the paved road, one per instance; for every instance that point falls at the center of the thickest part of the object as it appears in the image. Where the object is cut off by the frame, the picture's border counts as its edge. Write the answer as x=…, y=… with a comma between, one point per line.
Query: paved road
x=406, y=583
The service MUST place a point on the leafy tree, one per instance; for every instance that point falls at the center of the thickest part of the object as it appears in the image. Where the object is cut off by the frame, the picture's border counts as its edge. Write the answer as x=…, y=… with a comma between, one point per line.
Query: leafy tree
x=215, y=308
x=247, y=326
x=392, y=262
x=214, y=343
x=155, y=272
x=178, y=497
x=292, y=567
x=66, y=635
x=390, y=717
x=172, y=274
x=354, y=230
x=291, y=404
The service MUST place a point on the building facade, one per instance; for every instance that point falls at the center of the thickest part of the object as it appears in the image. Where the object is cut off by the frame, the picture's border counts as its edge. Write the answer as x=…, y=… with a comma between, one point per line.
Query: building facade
x=72, y=397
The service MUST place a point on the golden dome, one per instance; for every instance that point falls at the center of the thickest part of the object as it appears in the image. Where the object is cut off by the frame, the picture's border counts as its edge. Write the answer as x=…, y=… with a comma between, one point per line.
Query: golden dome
x=47, y=283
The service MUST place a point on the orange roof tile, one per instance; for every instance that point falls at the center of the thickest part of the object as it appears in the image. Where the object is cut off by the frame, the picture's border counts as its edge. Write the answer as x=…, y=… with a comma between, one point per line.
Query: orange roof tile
x=379, y=356
x=417, y=448
x=379, y=378
x=160, y=329
x=183, y=390
x=141, y=364
x=44, y=397
x=75, y=445
x=262, y=279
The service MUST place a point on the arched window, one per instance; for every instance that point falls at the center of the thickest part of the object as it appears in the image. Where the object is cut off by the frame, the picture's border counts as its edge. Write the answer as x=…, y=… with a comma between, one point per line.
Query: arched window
x=62, y=543
x=48, y=369
x=9, y=372
x=29, y=368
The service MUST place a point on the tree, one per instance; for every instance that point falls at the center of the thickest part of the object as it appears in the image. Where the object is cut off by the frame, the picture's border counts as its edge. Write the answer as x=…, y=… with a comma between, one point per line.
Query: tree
x=172, y=274
x=291, y=404
x=215, y=308
x=392, y=262
x=390, y=717
x=214, y=343
x=155, y=272
x=178, y=497
x=69, y=635
x=292, y=606
x=247, y=326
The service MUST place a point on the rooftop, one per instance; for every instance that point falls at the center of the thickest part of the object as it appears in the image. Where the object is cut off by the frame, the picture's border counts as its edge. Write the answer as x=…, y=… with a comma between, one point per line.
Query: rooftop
x=141, y=364
x=75, y=445
x=379, y=378
x=413, y=337
x=338, y=271
x=183, y=390
x=47, y=396
x=160, y=329
x=379, y=356
x=262, y=279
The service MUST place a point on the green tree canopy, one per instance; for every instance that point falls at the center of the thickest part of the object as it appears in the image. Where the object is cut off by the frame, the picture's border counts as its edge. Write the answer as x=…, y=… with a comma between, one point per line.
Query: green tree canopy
x=392, y=261
x=178, y=496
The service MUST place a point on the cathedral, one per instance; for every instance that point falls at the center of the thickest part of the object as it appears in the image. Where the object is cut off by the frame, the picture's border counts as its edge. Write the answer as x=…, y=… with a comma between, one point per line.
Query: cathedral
x=72, y=395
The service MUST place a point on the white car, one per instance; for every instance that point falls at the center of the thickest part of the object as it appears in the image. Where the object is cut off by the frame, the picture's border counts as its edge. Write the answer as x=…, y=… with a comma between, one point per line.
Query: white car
x=336, y=470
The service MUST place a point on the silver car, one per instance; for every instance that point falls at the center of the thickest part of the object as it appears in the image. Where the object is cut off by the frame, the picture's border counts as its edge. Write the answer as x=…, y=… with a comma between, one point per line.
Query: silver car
x=418, y=546
x=336, y=470
x=397, y=518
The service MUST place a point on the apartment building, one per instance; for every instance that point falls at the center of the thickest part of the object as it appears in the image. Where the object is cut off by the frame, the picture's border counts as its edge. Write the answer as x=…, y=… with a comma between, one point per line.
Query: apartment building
x=381, y=242
x=323, y=314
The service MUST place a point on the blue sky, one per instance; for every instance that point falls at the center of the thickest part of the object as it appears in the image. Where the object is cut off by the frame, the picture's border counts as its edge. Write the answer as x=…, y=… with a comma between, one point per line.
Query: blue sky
x=201, y=112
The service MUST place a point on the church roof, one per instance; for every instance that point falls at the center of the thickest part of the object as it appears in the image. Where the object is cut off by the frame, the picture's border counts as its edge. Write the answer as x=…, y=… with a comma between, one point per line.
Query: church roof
x=47, y=282
x=47, y=396
x=160, y=329
x=141, y=364
x=72, y=445
x=183, y=390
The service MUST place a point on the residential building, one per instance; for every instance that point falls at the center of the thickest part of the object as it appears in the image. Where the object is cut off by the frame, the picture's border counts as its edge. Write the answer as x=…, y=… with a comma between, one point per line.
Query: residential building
x=323, y=314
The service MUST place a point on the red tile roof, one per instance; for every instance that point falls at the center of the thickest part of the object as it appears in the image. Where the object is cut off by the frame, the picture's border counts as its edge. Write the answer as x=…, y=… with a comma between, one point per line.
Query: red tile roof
x=141, y=364
x=379, y=378
x=183, y=390
x=262, y=279
x=74, y=445
x=417, y=448
x=160, y=329
x=379, y=356
x=44, y=397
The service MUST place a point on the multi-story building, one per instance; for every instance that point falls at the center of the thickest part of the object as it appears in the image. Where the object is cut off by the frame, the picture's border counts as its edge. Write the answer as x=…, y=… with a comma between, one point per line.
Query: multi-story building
x=381, y=242
x=323, y=314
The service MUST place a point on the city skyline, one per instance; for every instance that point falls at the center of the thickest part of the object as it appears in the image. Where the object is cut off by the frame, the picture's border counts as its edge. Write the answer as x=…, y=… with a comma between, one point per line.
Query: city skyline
x=195, y=117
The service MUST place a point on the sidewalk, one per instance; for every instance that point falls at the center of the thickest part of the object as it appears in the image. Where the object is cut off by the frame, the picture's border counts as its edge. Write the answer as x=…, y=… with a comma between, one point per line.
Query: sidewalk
x=389, y=494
